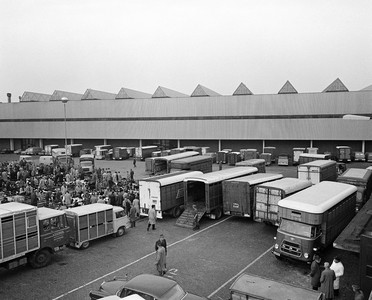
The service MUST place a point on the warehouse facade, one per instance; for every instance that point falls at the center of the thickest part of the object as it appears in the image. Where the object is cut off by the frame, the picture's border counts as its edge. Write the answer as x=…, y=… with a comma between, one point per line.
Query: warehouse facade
x=205, y=119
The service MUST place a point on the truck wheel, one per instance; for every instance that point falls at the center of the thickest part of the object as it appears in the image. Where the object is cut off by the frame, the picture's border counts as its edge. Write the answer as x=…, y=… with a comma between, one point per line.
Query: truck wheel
x=218, y=213
x=84, y=245
x=176, y=212
x=120, y=232
x=40, y=259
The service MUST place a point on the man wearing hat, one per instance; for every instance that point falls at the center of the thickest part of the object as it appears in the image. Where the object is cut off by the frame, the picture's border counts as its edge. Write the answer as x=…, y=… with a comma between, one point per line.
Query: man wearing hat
x=358, y=294
x=338, y=267
x=315, y=272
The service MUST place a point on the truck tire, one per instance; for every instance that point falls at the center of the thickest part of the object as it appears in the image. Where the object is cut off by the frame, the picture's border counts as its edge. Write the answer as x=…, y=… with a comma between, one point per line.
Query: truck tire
x=40, y=258
x=218, y=213
x=84, y=245
x=120, y=232
x=176, y=212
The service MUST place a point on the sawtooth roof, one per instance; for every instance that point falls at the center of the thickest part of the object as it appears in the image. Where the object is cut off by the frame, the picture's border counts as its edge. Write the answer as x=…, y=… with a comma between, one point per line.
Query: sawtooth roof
x=31, y=97
x=126, y=93
x=97, y=95
x=287, y=89
x=58, y=95
x=202, y=91
x=242, y=90
x=162, y=92
x=336, y=86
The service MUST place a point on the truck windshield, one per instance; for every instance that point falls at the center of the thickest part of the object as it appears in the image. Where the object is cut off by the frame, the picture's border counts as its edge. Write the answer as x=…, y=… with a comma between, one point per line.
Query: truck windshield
x=297, y=228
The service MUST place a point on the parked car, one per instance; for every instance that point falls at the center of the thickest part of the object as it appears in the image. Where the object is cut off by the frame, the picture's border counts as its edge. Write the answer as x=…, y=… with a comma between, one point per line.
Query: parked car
x=146, y=285
x=5, y=151
x=18, y=151
x=33, y=151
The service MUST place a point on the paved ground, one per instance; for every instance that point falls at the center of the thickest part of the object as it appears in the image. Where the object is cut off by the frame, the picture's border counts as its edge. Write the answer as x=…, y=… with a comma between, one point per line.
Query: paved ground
x=204, y=262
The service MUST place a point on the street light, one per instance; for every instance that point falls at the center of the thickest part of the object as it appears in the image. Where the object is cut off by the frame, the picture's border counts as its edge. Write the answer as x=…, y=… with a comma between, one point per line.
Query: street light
x=64, y=101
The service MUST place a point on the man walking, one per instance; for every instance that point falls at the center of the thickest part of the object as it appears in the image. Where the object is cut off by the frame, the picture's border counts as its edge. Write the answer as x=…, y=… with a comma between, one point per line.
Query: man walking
x=160, y=260
x=326, y=280
x=163, y=242
x=196, y=225
x=132, y=216
x=152, y=218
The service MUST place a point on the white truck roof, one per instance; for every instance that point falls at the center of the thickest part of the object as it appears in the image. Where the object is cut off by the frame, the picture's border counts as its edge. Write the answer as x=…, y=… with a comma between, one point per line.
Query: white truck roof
x=46, y=213
x=88, y=209
x=15, y=207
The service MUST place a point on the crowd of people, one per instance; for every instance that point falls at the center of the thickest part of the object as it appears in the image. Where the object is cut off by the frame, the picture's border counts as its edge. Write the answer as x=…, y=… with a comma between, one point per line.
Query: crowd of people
x=58, y=185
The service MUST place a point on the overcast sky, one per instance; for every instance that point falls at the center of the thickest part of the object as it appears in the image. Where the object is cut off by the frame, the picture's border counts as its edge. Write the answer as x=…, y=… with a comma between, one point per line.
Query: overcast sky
x=72, y=45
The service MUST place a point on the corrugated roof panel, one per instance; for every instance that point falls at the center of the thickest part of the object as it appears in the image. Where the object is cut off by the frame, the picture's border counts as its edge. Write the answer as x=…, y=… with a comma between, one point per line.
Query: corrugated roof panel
x=162, y=92
x=336, y=86
x=58, y=95
x=203, y=91
x=125, y=93
x=242, y=90
x=97, y=95
x=287, y=89
x=38, y=97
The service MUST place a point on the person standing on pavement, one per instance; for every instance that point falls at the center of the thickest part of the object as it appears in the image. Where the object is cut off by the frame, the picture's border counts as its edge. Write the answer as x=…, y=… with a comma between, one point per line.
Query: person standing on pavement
x=136, y=204
x=152, y=218
x=326, y=279
x=196, y=225
x=163, y=242
x=134, y=162
x=315, y=272
x=160, y=260
x=358, y=294
x=132, y=216
x=338, y=267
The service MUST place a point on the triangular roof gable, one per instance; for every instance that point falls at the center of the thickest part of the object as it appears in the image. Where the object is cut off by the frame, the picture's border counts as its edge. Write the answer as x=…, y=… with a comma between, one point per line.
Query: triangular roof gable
x=58, y=95
x=31, y=96
x=288, y=89
x=97, y=95
x=125, y=93
x=336, y=86
x=202, y=91
x=242, y=90
x=367, y=88
x=162, y=92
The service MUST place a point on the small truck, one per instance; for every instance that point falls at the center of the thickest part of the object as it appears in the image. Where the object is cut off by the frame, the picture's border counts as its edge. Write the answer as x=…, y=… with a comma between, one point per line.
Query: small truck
x=92, y=221
x=30, y=235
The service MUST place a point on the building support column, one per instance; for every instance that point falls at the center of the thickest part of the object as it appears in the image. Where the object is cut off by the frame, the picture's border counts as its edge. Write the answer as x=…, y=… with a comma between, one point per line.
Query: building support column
x=140, y=143
x=219, y=145
x=363, y=146
x=178, y=144
x=105, y=141
x=41, y=143
x=11, y=144
x=263, y=145
x=71, y=141
x=311, y=144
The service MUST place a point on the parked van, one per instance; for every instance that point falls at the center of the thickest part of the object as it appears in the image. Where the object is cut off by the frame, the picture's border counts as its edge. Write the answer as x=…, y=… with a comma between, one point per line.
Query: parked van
x=258, y=163
x=48, y=149
x=343, y=153
x=27, y=158
x=87, y=163
x=296, y=154
x=252, y=287
x=101, y=150
x=312, y=219
x=34, y=151
x=46, y=159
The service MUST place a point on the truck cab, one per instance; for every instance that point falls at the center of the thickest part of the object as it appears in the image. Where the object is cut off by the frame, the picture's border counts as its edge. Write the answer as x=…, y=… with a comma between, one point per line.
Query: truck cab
x=87, y=163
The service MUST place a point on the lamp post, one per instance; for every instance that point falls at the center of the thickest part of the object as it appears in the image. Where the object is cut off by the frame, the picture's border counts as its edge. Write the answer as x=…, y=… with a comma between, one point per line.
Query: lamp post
x=64, y=101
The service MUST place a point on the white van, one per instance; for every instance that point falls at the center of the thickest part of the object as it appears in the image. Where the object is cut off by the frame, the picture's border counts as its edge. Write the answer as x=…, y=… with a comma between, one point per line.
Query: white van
x=46, y=159
x=27, y=158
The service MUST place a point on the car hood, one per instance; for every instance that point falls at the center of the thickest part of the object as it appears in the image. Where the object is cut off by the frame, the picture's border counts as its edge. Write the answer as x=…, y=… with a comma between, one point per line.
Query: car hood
x=190, y=296
x=113, y=297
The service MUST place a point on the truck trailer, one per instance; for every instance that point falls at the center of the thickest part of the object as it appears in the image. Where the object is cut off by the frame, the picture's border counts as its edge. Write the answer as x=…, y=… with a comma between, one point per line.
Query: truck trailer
x=318, y=170
x=30, y=235
x=166, y=192
x=362, y=179
x=238, y=193
x=203, y=163
x=143, y=152
x=312, y=219
x=267, y=195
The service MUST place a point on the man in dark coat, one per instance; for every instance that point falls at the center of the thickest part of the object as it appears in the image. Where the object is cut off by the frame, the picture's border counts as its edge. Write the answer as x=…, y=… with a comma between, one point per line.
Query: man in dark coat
x=315, y=272
x=326, y=280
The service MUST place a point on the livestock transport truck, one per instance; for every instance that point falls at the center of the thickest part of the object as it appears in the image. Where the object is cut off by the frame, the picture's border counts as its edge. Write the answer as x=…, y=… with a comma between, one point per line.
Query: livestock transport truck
x=166, y=192
x=317, y=171
x=30, y=235
x=267, y=196
x=93, y=221
x=238, y=193
x=312, y=219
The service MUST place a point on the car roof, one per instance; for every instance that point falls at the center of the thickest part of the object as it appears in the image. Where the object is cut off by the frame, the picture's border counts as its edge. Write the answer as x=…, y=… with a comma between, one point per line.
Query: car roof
x=153, y=285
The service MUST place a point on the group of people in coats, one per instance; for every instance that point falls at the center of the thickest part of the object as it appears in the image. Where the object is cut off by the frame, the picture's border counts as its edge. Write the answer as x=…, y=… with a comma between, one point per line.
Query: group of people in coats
x=328, y=280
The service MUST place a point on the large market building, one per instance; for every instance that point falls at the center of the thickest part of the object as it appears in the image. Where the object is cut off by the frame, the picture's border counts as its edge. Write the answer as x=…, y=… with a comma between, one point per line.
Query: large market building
x=204, y=119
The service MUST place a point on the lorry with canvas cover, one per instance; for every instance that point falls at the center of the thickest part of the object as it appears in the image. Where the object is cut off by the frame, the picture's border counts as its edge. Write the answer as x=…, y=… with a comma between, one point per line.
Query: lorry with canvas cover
x=267, y=195
x=166, y=192
x=312, y=219
x=317, y=171
x=30, y=235
x=93, y=221
x=238, y=193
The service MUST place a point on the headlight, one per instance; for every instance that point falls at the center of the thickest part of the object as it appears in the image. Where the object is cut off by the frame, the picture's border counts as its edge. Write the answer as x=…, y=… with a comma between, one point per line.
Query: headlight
x=276, y=246
x=306, y=255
